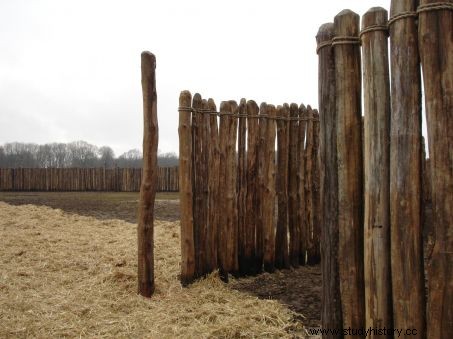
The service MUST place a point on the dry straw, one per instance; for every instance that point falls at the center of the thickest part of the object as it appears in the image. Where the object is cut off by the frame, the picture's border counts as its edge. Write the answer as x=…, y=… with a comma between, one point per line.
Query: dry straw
x=65, y=275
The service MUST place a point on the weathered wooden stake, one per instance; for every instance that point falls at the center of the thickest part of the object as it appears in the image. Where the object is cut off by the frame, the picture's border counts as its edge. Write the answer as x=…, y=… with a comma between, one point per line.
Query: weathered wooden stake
x=252, y=185
x=204, y=166
x=301, y=214
x=145, y=227
x=350, y=167
x=242, y=186
x=185, y=189
x=405, y=172
x=259, y=245
x=198, y=179
x=316, y=252
x=436, y=51
x=223, y=184
x=281, y=237
x=376, y=87
x=331, y=316
x=213, y=183
x=231, y=192
x=308, y=226
x=269, y=193
x=293, y=184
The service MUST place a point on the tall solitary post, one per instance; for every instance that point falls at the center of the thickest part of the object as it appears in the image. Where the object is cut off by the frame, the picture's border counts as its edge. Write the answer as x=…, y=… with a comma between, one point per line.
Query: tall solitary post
x=145, y=227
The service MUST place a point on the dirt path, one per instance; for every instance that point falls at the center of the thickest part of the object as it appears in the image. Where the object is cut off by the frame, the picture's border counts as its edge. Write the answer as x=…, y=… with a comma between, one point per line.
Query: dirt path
x=104, y=205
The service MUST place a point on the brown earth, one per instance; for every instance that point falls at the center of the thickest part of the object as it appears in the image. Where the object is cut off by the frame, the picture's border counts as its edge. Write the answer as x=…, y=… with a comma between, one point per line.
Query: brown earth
x=300, y=288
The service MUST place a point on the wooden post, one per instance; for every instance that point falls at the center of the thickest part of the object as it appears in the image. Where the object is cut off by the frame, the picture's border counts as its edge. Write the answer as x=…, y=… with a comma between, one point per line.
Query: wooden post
x=376, y=87
x=331, y=316
x=301, y=203
x=252, y=198
x=259, y=245
x=213, y=185
x=198, y=224
x=232, y=194
x=269, y=192
x=204, y=167
x=242, y=186
x=350, y=168
x=185, y=189
x=148, y=189
x=227, y=189
x=281, y=237
x=308, y=182
x=405, y=172
x=316, y=252
x=436, y=52
x=293, y=207
x=222, y=231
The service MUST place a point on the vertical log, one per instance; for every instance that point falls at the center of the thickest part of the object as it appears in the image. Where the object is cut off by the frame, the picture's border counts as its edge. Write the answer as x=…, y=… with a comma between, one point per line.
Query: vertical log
x=301, y=203
x=376, y=87
x=252, y=185
x=198, y=224
x=281, y=237
x=148, y=190
x=405, y=172
x=293, y=180
x=269, y=192
x=228, y=208
x=331, y=316
x=308, y=226
x=186, y=187
x=436, y=52
x=204, y=174
x=316, y=256
x=213, y=183
x=242, y=186
x=222, y=210
x=350, y=167
x=232, y=186
x=259, y=231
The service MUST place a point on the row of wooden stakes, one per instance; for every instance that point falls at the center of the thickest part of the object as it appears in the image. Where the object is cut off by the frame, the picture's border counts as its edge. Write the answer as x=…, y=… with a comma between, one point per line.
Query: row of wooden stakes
x=247, y=205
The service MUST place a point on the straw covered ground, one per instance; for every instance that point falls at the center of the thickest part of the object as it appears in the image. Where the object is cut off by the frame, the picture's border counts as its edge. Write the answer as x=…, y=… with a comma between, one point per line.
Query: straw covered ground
x=67, y=275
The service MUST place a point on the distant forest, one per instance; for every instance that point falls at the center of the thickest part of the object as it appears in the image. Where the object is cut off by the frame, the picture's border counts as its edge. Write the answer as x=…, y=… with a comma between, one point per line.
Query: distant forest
x=73, y=154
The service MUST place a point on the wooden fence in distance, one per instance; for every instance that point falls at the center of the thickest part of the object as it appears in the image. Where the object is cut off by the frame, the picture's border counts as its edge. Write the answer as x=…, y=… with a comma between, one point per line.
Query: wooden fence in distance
x=84, y=179
x=247, y=206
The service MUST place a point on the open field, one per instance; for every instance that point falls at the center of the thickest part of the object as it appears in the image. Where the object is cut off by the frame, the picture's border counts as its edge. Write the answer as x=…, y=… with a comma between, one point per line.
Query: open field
x=100, y=205
x=70, y=270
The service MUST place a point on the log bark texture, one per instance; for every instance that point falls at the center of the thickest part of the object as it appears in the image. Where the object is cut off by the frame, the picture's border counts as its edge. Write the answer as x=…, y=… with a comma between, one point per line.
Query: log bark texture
x=350, y=168
x=269, y=192
x=185, y=190
x=198, y=182
x=376, y=87
x=293, y=184
x=213, y=186
x=301, y=179
x=242, y=186
x=331, y=316
x=281, y=237
x=252, y=218
x=405, y=172
x=308, y=226
x=259, y=232
x=436, y=51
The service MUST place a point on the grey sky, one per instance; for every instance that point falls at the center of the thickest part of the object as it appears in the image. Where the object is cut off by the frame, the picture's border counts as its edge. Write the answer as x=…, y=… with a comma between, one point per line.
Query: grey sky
x=70, y=70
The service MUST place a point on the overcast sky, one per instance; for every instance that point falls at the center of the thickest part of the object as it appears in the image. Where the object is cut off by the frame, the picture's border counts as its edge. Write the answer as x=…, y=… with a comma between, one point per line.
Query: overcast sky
x=70, y=70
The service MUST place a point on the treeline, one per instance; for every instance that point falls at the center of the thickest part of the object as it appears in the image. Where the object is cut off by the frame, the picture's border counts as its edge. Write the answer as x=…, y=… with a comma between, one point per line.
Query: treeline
x=74, y=154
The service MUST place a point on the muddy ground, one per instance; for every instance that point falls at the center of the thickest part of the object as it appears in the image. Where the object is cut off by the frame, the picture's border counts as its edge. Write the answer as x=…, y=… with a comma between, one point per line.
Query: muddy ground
x=300, y=288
